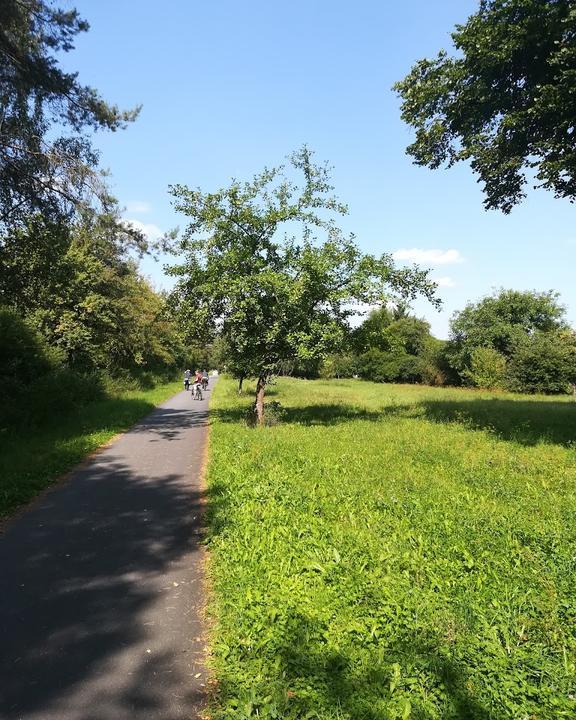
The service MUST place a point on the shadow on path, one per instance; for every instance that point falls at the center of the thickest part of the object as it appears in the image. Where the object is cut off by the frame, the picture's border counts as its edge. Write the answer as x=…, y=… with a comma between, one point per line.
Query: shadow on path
x=168, y=423
x=81, y=578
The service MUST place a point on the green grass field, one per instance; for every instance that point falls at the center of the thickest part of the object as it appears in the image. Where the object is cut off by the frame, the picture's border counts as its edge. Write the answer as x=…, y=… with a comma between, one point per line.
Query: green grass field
x=392, y=552
x=32, y=460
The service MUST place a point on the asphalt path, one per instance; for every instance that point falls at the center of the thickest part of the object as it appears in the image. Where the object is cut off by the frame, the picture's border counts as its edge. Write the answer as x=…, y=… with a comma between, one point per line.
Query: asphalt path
x=101, y=582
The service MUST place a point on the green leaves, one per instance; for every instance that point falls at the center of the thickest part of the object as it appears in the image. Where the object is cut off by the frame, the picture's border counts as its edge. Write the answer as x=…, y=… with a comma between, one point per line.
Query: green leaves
x=506, y=102
x=515, y=340
x=39, y=171
x=266, y=267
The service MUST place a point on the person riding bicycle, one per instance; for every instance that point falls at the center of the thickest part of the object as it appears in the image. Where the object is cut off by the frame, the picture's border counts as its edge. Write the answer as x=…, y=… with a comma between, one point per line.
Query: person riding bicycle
x=205, y=379
x=187, y=374
x=197, y=387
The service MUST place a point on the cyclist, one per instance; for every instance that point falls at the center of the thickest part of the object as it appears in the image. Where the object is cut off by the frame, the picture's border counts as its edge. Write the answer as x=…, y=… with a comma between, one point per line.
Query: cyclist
x=205, y=379
x=187, y=374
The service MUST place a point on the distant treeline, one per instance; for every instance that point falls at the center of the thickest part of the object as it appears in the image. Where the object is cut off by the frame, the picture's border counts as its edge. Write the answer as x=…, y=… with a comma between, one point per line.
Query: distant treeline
x=512, y=340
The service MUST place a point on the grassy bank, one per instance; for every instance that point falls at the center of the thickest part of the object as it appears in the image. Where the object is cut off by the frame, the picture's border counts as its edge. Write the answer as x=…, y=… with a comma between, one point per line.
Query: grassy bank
x=392, y=552
x=33, y=459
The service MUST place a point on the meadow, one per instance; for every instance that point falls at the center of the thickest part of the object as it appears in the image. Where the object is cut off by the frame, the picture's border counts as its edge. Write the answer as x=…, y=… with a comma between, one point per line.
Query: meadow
x=32, y=458
x=386, y=552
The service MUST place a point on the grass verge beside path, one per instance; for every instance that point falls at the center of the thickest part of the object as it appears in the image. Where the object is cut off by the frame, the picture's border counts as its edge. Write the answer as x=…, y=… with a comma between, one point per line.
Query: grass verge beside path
x=394, y=553
x=31, y=462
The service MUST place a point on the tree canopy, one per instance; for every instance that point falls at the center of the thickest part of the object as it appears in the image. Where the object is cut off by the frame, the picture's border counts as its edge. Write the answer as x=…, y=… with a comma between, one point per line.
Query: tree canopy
x=505, y=102
x=514, y=339
x=47, y=162
x=266, y=266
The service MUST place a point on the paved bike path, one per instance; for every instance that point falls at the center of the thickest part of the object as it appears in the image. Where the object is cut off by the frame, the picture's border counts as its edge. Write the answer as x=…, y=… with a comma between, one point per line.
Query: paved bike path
x=101, y=582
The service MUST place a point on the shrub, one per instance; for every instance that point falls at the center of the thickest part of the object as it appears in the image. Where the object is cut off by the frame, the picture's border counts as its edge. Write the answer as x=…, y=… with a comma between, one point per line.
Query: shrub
x=544, y=364
x=487, y=369
x=34, y=383
x=339, y=366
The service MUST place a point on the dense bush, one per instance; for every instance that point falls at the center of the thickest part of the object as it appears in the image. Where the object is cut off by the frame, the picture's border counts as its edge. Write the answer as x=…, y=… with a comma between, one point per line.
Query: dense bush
x=516, y=340
x=393, y=346
x=340, y=366
x=546, y=363
x=34, y=382
x=487, y=369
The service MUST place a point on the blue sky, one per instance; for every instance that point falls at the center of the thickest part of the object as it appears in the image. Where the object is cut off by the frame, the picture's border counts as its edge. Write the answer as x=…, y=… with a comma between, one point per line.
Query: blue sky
x=228, y=87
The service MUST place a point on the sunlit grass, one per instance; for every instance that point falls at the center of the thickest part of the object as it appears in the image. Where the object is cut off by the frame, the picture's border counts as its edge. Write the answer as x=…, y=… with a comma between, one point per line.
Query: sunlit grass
x=394, y=552
x=33, y=459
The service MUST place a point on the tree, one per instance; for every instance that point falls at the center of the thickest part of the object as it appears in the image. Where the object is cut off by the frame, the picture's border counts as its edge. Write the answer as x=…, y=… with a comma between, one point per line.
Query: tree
x=501, y=325
x=506, y=102
x=79, y=288
x=545, y=363
x=371, y=333
x=487, y=369
x=47, y=163
x=502, y=322
x=277, y=297
x=395, y=346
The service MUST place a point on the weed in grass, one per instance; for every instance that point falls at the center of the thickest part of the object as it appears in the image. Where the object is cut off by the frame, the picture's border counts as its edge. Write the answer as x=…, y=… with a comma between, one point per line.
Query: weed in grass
x=394, y=552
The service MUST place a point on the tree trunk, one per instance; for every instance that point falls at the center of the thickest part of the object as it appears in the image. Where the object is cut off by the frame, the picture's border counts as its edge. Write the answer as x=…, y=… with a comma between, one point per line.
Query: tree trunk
x=259, y=402
x=240, y=383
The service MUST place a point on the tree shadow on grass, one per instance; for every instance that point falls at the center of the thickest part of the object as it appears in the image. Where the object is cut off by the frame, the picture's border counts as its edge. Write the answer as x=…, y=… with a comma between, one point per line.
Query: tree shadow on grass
x=320, y=414
x=527, y=422
x=339, y=686
x=303, y=677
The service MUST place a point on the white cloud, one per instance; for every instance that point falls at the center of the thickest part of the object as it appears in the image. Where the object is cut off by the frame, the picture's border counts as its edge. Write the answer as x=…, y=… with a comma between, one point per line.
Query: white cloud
x=444, y=281
x=152, y=232
x=137, y=206
x=428, y=257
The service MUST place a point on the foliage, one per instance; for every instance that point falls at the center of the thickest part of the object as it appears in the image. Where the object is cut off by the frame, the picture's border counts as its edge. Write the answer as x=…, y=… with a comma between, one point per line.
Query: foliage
x=503, y=322
x=34, y=383
x=372, y=557
x=23, y=354
x=545, y=363
x=398, y=366
x=340, y=365
x=395, y=346
x=487, y=369
x=274, y=298
x=79, y=288
x=505, y=102
x=41, y=170
x=372, y=332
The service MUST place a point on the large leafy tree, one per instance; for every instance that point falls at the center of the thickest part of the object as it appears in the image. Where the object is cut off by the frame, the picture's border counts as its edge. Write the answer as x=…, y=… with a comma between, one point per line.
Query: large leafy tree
x=502, y=325
x=47, y=162
x=506, y=102
x=79, y=288
x=395, y=346
x=266, y=266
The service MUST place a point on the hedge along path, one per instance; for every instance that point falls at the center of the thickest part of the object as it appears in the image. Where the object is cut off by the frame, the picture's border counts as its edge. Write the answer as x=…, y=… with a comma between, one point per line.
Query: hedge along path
x=102, y=582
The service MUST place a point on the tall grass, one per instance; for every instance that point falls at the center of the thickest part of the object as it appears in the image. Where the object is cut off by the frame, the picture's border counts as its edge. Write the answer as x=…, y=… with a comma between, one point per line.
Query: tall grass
x=394, y=552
